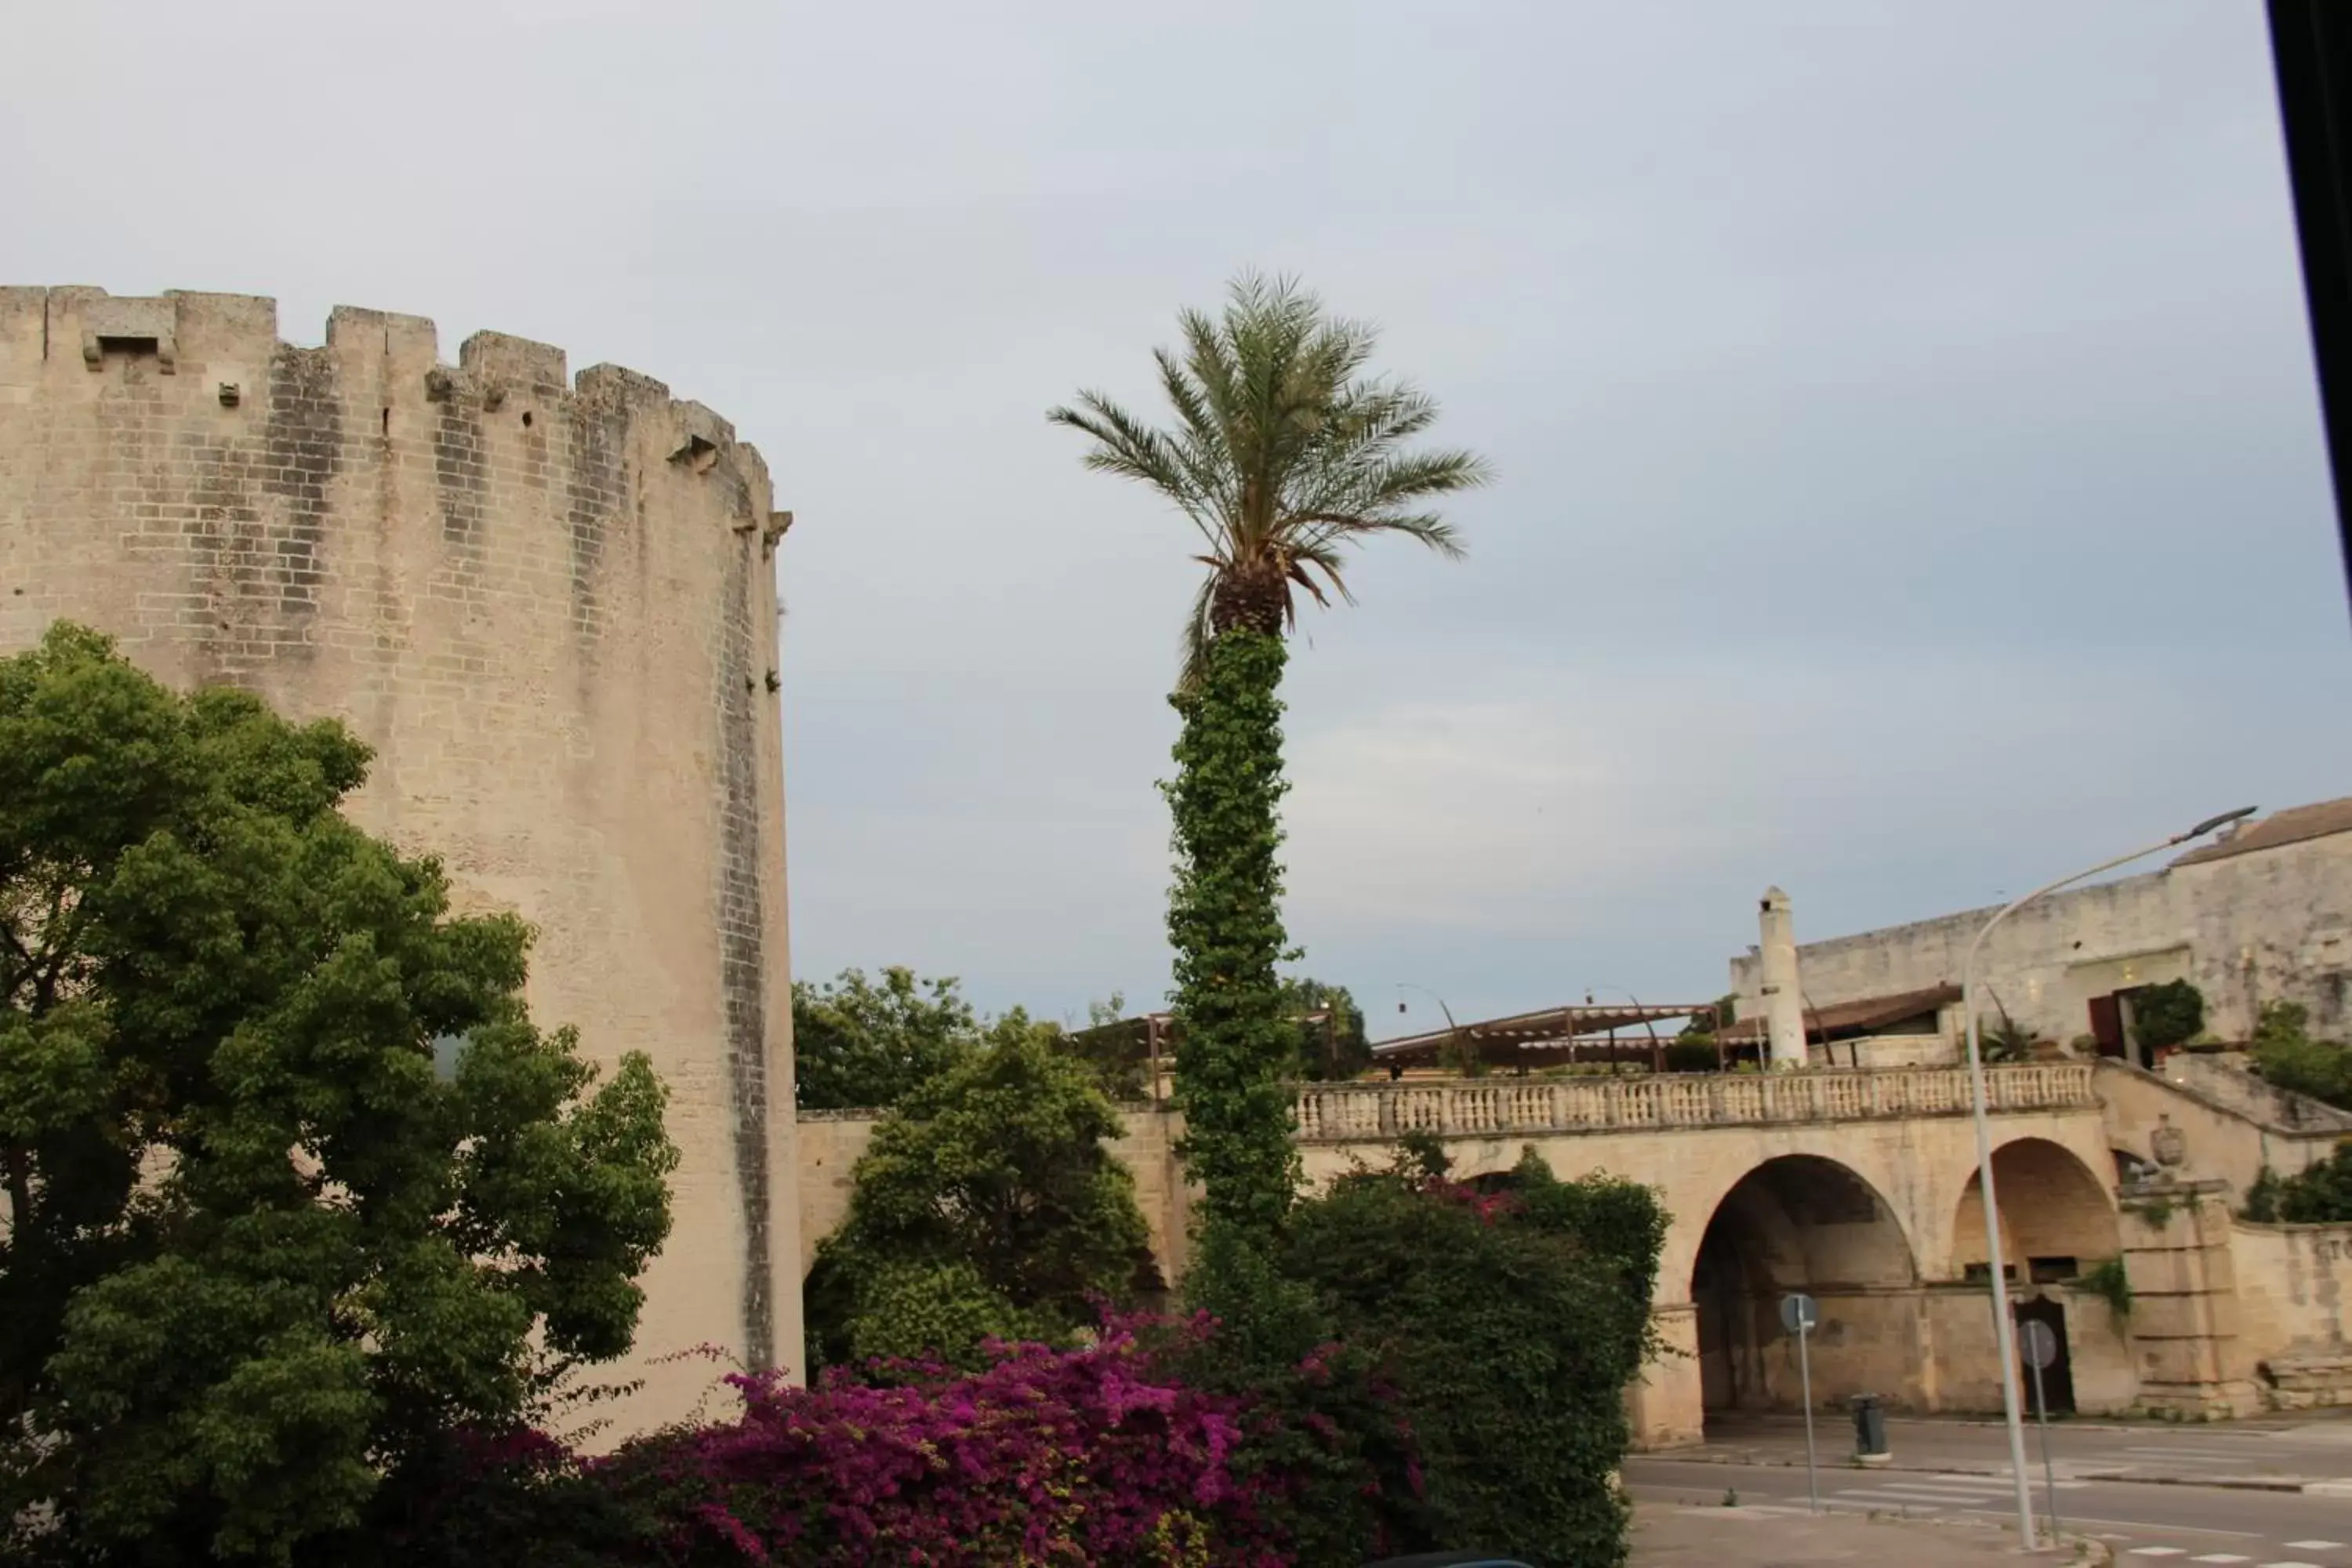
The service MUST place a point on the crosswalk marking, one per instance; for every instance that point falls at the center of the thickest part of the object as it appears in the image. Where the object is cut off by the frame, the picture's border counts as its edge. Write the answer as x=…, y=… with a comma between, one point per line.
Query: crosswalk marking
x=2159, y=1552
x=2313, y=1545
x=2221, y=1557
x=2290, y=1564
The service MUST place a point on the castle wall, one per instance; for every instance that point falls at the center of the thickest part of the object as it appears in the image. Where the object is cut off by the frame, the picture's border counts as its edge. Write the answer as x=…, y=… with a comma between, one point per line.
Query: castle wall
x=549, y=604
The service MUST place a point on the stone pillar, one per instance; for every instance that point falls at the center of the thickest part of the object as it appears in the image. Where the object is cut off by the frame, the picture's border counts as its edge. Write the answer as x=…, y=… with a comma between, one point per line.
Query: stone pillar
x=1784, y=1005
x=2184, y=1329
x=1663, y=1403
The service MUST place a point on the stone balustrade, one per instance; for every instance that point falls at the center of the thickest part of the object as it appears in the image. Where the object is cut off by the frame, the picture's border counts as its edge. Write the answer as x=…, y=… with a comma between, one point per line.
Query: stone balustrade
x=1475, y=1107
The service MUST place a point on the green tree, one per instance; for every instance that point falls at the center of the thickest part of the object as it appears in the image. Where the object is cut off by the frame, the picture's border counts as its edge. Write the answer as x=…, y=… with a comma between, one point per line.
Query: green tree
x=987, y=1203
x=260, y=1254
x=1284, y=454
x=860, y=1046
x=2287, y=1054
x=1341, y=1050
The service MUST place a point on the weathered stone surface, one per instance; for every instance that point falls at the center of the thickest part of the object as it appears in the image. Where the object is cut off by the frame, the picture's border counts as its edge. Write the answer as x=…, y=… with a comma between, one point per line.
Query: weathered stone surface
x=558, y=639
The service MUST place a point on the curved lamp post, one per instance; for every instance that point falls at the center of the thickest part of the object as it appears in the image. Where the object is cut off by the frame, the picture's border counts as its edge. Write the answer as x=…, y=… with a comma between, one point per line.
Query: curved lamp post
x=1451, y=1026
x=1657, y=1051
x=2003, y=1331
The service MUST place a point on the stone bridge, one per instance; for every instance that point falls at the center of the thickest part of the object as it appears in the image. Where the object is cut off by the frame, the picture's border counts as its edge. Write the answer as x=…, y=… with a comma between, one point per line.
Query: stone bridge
x=1858, y=1187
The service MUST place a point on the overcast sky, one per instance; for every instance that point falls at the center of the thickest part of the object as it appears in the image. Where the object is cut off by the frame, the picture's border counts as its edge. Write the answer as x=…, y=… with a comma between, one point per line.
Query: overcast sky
x=1911, y=483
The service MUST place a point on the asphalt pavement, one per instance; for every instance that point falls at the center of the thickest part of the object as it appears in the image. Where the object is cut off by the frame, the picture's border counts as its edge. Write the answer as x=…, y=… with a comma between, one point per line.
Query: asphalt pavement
x=2249, y=1495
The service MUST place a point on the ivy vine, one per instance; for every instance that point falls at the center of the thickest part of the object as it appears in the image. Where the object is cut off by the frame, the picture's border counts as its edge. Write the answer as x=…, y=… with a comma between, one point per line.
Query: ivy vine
x=1225, y=922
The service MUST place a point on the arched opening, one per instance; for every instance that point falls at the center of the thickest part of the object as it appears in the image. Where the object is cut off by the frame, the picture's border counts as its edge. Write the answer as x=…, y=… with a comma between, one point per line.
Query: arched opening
x=1802, y=1223
x=2056, y=1223
x=2056, y=1218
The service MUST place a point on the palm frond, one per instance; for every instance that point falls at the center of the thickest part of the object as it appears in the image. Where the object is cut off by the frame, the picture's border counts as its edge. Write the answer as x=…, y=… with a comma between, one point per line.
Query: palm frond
x=1286, y=452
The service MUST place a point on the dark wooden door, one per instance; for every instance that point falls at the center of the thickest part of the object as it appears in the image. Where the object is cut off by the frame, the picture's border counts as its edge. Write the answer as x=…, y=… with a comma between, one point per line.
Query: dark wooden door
x=2107, y=1025
x=2058, y=1377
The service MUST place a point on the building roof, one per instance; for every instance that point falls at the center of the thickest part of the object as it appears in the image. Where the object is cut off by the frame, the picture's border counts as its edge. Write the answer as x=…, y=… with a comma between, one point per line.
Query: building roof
x=2277, y=830
x=1862, y=1014
x=1554, y=1035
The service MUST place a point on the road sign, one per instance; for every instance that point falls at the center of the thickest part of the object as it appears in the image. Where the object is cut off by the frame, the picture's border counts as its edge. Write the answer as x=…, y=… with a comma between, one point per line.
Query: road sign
x=1799, y=1313
x=2039, y=1345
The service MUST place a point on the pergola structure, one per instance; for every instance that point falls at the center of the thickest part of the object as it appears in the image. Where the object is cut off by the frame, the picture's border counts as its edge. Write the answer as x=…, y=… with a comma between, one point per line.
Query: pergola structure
x=1553, y=1037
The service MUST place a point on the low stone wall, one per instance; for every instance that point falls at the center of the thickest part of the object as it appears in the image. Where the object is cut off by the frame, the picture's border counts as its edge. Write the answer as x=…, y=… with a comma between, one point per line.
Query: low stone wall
x=2295, y=1309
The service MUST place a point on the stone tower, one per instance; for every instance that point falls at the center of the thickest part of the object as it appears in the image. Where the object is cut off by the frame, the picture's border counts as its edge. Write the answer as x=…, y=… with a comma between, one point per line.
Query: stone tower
x=549, y=605
x=1784, y=1013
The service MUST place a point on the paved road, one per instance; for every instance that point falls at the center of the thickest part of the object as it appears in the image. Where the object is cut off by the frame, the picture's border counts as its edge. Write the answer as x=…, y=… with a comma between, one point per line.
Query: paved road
x=2241, y=1451
x=2148, y=1526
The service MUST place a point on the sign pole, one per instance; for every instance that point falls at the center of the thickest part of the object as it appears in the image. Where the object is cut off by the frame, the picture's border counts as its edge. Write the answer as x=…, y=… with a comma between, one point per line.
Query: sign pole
x=1805, y=1382
x=1798, y=1315
x=2040, y=1349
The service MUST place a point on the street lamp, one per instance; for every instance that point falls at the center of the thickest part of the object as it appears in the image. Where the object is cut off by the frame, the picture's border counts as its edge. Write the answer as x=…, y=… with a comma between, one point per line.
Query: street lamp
x=2003, y=1332
x=1452, y=1028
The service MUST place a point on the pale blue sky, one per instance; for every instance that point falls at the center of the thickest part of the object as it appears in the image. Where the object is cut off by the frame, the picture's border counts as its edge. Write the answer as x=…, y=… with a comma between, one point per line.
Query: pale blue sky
x=1911, y=482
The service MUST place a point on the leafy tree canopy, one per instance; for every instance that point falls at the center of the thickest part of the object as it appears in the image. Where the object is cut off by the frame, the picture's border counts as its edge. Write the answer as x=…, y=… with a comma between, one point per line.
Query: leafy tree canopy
x=987, y=1203
x=1340, y=1051
x=857, y=1045
x=1284, y=454
x=259, y=1254
x=2287, y=1055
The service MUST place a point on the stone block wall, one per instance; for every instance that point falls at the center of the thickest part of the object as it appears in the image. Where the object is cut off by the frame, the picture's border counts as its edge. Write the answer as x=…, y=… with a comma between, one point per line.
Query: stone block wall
x=2294, y=1309
x=548, y=602
x=2262, y=926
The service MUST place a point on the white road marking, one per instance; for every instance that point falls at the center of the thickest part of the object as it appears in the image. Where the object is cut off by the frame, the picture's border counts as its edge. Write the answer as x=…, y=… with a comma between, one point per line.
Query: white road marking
x=2159, y=1552
x=2221, y=1557
x=2144, y=1527
x=2313, y=1545
x=2290, y=1564
x=1943, y=1494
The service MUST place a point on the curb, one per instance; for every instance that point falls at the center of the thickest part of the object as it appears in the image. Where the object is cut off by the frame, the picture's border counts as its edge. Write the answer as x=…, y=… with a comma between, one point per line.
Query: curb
x=2223, y=1483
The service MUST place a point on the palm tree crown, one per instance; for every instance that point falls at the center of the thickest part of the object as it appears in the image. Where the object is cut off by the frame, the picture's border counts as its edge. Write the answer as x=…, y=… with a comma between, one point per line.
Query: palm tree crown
x=1283, y=453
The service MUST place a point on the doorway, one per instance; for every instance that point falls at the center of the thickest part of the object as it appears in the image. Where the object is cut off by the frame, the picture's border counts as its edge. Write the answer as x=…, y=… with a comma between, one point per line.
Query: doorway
x=2058, y=1377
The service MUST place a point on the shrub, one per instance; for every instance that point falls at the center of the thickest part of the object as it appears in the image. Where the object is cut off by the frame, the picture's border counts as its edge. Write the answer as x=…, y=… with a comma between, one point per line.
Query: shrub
x=1507, y=1321
x=2169, y=1015
x=2318, y=1194
x=985, y=1204
x=1102, y=1456
x=2285, y=1055
x=1693, y=1053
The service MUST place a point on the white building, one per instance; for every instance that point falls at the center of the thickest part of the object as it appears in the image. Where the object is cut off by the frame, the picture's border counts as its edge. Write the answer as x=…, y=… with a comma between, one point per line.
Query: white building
x=2264, y=914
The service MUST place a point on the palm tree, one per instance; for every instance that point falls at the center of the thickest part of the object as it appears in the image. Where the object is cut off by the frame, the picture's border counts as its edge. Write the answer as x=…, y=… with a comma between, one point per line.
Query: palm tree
x=1283, y=455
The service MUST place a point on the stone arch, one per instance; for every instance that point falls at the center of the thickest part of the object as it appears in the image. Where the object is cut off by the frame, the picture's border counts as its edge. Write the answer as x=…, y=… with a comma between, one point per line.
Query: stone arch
x=2056, y=1216
x=1810, y=1223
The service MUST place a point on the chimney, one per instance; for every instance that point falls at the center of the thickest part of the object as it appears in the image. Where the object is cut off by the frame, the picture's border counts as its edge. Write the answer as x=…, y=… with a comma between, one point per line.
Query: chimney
x=1784, y=1009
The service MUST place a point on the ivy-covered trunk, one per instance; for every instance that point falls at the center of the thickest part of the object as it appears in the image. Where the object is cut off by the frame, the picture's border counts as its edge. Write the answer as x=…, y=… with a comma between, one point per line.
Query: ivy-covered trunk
x=1225, y=921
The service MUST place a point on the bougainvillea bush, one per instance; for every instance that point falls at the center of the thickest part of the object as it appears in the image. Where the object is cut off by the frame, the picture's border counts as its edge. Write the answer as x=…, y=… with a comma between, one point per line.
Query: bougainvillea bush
x=1102, y=1455
x=1410, y=1364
